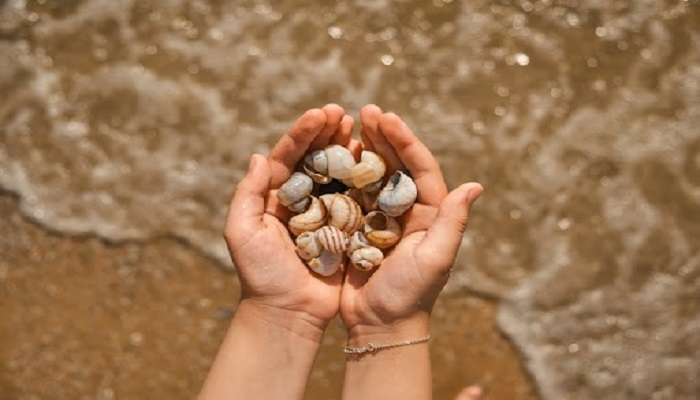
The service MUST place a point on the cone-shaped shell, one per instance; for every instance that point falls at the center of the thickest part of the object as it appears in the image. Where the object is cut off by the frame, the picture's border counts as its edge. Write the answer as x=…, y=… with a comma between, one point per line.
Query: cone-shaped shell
x=340, y=162
x=370, y=169
x=326, y=264
x=381, y=230
x=332, y=239
x=366, y=258
x=343, y=212
x=313, y=218
x=398, y=195
x=298, y=186
x=308, y=246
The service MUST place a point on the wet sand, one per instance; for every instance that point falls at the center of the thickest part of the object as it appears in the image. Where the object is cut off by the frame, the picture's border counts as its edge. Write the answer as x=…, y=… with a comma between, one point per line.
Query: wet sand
x=85, y=319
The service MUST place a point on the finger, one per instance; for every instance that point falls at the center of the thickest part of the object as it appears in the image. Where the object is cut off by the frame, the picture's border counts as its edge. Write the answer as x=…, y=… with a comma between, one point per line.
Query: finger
x=344, y=133
x=355, y=147
x=374, y=139
x=275, y=208
x=248, y=203
x=292, y=146
x=334, y=115
x=470, y=393
x=444, y=237
x=424, y=168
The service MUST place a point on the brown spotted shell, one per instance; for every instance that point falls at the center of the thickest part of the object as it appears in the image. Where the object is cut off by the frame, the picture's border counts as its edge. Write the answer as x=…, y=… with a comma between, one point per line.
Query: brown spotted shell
x=313, y=218
x=332, y=239
x=381, y=230
x=343, y=212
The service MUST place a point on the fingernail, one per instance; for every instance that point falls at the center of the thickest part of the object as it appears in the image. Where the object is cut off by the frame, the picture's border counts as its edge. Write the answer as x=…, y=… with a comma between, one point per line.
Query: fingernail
x=474, y=193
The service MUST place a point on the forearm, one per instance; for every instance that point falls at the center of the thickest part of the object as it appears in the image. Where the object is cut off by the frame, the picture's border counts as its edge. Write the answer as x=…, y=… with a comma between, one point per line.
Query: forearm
x=396, y=373
x=267, y=354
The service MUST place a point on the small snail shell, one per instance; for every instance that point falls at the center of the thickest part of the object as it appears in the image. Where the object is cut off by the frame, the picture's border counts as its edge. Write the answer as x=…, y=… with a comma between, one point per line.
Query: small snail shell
x=340, y=162
x=316, y=166
x=332, y=239
x=366, y=258
x=343, y=212
x=313, y=218
x=357, y=241
x=398, y=195
x=381, y=230
x=370, y=169
x=308, y=246
x=366, y=200
x=326, y=264
x=298, y=186
x=300, y=205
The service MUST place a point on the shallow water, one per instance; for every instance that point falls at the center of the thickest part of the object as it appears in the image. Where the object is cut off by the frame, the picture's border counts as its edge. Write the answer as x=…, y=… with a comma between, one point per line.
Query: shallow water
x=132, y=120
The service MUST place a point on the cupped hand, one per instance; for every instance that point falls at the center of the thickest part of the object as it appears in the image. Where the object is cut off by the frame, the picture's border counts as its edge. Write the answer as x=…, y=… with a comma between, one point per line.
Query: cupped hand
x=272, y=275
x=394, y=301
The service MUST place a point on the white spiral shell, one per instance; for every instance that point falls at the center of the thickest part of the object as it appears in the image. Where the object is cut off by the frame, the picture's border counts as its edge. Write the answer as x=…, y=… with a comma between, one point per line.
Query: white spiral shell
x=295, y=189
x=313, y=218
x=340, y=162
x=398, y=195
x=366, y=258
x=326, y=264
x=308, y=246
x=316, y=166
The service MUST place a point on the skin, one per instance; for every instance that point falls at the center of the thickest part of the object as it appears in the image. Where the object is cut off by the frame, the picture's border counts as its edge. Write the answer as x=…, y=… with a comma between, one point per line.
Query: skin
x=393, y=303
x=275, y=334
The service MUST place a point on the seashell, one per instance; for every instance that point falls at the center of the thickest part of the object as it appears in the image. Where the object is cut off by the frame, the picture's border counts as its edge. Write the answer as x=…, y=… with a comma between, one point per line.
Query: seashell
x=332, y=239
x=340, y=162
x=398, y=195
x=300, y=205
x=316, y=166
x=373, y=188
x=308, y=245
x=326, y=264
x=313, y=218
x=366, y=200
x=357, y=241
x=381, y=230
x=370, y=169
x=343, y=212
x=298, y=186
x=366, y=258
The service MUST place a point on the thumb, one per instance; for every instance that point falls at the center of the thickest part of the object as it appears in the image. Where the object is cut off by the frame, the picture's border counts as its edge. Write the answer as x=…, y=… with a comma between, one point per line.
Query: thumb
x=445, y=235
x=248, y=203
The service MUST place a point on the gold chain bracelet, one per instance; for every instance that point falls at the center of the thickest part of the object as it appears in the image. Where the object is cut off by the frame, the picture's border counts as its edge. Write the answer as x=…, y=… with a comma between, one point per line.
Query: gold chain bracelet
x=371, y=347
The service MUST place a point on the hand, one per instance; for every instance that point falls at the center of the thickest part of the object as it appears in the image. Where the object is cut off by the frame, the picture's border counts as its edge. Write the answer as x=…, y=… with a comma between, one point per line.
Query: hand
x=273, y=278
x=394, y=302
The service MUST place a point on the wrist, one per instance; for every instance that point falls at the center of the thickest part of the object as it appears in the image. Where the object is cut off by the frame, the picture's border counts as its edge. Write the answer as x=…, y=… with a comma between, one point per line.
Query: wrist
x=410, y=328
x=297, y=324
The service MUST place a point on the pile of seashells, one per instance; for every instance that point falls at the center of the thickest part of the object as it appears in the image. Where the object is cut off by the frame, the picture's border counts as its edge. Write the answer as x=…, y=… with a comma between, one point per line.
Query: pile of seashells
x=344, y=207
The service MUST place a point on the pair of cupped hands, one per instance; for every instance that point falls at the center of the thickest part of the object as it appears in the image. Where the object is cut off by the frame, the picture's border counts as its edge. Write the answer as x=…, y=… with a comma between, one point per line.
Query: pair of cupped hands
x=393, y=301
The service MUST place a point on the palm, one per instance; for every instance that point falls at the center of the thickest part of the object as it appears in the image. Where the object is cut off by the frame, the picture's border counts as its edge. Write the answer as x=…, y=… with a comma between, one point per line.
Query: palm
x=280, y=278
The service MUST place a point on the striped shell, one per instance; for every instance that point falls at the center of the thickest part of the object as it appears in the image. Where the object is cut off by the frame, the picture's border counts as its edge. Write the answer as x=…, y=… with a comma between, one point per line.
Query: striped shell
x=370, y=169
x=366, y=258
x=332, y=239
x=398, y=195
x=326, y=264
x=343, y=212
x=297, y=187
x=313, y=218
x=381, y=230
